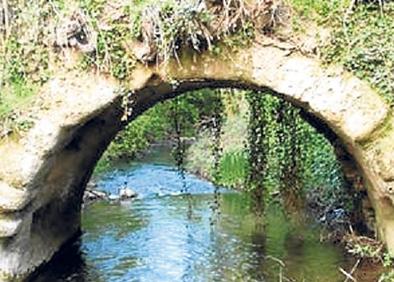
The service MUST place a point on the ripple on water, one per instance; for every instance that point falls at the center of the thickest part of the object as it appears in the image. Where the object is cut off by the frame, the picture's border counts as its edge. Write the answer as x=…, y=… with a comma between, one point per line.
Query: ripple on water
x=157, y=237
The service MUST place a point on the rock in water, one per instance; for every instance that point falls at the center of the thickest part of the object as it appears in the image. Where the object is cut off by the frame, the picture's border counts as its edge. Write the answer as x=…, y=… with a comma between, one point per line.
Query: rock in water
x=93, y=195
x=113, y=197
x=127, y=193
x=92, y=185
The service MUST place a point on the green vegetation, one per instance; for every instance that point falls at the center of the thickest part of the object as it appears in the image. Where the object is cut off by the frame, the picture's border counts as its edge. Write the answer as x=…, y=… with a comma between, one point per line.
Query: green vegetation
x=155, y=31
x=194, y=110
x=361, y=38
x=234, y=169
x=319, y=167
x=36, y=38
x=32, y=43
x=317, y=161
x=365, y=47
x=387, y=277
x=25, y=29
x=257, y=141
x=371, y=250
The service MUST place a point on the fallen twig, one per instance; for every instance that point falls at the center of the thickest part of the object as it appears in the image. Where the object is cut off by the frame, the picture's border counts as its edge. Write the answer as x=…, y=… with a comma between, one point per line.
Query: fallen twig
x=349, y=275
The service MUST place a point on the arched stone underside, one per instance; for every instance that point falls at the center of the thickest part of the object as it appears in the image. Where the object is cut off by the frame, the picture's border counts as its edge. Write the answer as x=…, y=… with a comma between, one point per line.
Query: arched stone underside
x=43, y=174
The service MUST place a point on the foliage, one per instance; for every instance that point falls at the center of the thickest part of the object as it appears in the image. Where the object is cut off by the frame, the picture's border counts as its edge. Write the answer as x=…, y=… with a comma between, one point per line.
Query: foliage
x=372, y=250
x=234, y=169
x=234, y=130
x=217, y=152
x=319, y=10
x=258, y=143
x=25, y=42
x=14, y=94
x=154, y=31
x=198, y=159
x=365, y=251
x=136, y=137
x=318, y=167
x=164, y=27
x=365, y=46
x=157, y=124
x=361, y=38
x=387, y=277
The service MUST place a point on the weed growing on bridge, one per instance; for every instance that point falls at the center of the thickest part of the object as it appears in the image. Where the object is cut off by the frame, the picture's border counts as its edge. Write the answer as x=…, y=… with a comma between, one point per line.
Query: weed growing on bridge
x=124, y=31
x=365, y=47
x=163, y=29
x=156, y=31
x=25, y=54
x=361, y=38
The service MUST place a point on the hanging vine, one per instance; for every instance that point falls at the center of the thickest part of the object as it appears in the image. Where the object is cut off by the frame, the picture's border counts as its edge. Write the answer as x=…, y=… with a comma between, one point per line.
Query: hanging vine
x=289, y=137
x=217, y=150
x=179, y=145
x=257, y=148
x=179, y=150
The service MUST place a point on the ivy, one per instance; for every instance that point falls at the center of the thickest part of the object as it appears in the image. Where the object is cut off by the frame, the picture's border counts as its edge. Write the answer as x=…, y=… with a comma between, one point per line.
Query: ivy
x=217, y=151
x=258, y=148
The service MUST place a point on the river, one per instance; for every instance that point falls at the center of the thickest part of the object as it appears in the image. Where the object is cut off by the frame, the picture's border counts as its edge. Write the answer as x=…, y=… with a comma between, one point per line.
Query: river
x=166, y=235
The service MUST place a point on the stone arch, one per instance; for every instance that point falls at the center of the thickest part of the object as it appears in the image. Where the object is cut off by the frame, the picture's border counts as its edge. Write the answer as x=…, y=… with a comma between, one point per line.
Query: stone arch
x=43, y=174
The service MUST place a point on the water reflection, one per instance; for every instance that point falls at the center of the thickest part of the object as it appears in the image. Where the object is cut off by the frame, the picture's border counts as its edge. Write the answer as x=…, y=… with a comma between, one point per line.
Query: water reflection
x=156, y=238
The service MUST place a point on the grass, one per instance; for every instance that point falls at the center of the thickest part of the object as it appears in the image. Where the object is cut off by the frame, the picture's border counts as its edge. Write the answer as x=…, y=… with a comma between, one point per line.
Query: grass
x=14, y=95
x=365, y=47
x=165, y=27
x=361, y=38
x=13, y=98
x=24, y=58
x=233, y=169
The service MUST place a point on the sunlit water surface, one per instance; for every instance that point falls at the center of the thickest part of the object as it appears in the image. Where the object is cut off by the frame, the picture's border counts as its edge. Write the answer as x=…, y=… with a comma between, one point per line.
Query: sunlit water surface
x=164, y=235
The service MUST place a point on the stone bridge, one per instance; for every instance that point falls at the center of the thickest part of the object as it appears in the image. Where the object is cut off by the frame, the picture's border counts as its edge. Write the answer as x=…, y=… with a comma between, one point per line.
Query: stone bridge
x=43, y=174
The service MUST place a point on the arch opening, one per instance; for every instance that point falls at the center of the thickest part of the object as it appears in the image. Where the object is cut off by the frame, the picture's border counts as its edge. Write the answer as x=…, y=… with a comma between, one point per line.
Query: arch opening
x=88, y=143
x=352, y=171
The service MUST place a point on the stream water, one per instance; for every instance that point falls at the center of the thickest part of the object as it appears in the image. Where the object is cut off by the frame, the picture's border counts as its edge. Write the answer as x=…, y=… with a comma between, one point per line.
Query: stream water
x=164, y=235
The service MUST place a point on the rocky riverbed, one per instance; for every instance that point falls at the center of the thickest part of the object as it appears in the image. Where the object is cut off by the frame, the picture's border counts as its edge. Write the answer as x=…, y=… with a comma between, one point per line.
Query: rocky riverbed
x=93, y=193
